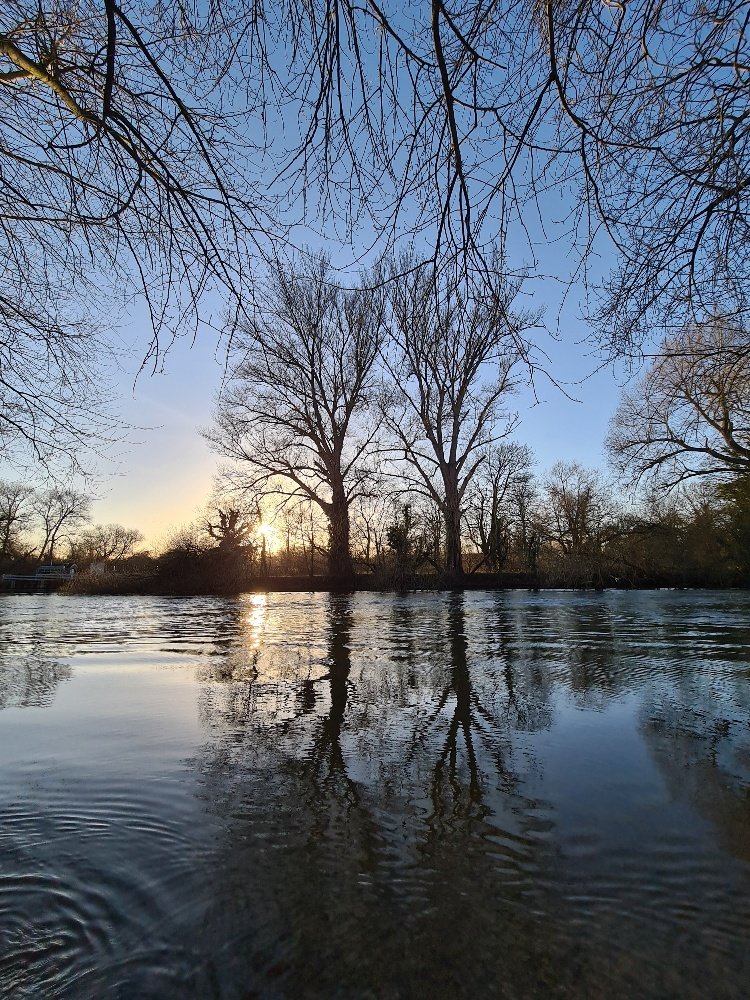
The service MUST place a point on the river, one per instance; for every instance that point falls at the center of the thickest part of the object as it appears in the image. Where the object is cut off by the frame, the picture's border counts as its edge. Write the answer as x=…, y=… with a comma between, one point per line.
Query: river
x=375, y=796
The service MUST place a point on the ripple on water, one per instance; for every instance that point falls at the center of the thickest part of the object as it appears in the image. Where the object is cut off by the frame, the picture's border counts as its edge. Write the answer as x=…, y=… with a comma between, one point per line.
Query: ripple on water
x=54, y=930
x=91, y=874
x=387, y=796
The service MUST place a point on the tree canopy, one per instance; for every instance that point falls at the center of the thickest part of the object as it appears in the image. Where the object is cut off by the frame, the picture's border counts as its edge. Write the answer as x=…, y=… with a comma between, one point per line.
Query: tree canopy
x=119, y=175
x=147, y=148
x=456, y=121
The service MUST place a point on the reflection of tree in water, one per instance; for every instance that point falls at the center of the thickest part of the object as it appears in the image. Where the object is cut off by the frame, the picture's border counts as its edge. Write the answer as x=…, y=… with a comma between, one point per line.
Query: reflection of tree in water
x=235, y=679
x=478, y=846
x=403, y=708
x=325, y=765
x=255, y=677
x=471, y=730
x=470, y=722
x=593, y=647
x=31, y=682
x=376, y=812
x=294, y=881
x=294, y=711
x=596, y=669
x=698, y=734
x=481, y=712
x=524, y=680
x=381, y=835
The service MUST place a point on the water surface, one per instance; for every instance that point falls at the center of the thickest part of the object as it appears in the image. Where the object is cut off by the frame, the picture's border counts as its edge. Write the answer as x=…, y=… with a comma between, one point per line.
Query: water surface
x=375, y=796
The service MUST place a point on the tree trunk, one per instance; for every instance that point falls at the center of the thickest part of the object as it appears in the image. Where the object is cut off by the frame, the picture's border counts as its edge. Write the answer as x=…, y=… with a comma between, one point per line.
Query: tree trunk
x=454, y=570
x=6, y=539
x=340, y=566
x=45, y=543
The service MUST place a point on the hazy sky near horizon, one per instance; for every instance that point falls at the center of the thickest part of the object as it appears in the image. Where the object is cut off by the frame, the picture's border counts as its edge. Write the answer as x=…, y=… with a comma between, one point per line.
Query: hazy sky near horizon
x=163, y=473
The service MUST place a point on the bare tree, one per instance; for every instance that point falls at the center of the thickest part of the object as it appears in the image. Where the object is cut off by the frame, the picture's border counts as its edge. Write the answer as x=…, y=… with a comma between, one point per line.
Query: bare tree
x=371, y=515
x=129, y=157
x=658, y=96
x=409, y=538
x=119, y=173
x=523, y=501
x=60, y=511
x=293, y=406
x=107, y=543
x=230, y=527
x=689, y=415
x=581, y=513
x=15, y=514
x=53, y=406
x=489, y=512
x=451, y=365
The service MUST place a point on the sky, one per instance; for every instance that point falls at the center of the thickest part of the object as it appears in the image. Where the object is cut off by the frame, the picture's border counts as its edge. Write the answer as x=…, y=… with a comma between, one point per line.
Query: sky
x=163, y=474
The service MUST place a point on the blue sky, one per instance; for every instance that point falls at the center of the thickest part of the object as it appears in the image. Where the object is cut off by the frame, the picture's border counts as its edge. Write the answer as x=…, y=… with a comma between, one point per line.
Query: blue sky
x=163, y=474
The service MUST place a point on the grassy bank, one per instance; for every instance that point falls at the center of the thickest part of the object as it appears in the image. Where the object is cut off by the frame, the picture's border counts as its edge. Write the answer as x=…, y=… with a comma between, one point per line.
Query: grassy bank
x=143, y=583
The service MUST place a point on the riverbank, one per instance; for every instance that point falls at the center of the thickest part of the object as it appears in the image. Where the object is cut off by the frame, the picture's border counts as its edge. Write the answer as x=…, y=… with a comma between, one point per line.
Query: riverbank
x=143, y=584
x=150, y=584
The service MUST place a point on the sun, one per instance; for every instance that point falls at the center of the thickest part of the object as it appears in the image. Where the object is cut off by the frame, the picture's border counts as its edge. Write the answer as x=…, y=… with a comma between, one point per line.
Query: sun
x=267, y=533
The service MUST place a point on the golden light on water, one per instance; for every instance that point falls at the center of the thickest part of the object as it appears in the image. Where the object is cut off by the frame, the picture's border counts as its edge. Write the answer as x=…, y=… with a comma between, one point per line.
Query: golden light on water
x=255, y=622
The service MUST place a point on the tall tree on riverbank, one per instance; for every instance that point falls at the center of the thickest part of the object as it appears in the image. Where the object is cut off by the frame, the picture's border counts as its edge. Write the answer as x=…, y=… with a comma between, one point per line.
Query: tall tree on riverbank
x=736, y=495
x=490, y=521
x=59, y=511
x=104, y=543
x=581, y=514
x=451, y=366
x=16, y=513
x=291, y=411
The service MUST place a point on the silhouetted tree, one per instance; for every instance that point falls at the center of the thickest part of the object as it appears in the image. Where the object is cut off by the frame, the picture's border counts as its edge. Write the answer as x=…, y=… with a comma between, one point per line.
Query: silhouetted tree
x=371, y=516
x=15, y=514
x=450, y=363
x=736, y=494
x=292, y=409
x=106, y=543
x=231, y=526
x=456, y=120
x=489, y=516
x=580, y=520
x=60, y=511
x=408, y=541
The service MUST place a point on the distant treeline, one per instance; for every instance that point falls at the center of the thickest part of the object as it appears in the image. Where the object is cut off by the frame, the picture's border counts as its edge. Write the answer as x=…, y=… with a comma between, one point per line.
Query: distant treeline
x=567, y=529
x=370, y=446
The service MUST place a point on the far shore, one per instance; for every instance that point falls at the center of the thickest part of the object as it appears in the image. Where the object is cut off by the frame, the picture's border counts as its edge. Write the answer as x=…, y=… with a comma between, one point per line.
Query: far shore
x=112, y=584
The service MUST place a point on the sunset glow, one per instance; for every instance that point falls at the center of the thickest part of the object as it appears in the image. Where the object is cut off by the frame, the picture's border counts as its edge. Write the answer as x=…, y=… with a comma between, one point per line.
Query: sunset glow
x=269, y=534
